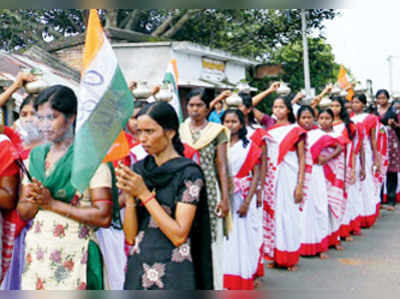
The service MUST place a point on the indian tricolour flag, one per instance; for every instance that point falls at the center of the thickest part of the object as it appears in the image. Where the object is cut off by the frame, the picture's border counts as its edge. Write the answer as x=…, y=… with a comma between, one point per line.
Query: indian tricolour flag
x=105, y=104
x=171, y=78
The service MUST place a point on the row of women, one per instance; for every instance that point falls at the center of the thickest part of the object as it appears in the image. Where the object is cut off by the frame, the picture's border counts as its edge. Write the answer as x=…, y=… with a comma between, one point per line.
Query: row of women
x=196, y=205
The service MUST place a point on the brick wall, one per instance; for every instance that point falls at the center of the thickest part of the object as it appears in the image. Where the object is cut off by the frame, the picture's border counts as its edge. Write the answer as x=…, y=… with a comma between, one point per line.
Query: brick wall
x=268, y=70
x=71, y=56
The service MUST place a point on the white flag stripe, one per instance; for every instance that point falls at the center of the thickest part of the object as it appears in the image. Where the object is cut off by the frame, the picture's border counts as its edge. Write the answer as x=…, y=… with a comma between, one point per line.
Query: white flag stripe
x=96, y=81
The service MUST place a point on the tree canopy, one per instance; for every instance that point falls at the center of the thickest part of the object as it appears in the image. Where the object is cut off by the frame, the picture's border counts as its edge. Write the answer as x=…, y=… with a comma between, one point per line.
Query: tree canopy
x=323, y=68
x=270, y=35
x=248, y=32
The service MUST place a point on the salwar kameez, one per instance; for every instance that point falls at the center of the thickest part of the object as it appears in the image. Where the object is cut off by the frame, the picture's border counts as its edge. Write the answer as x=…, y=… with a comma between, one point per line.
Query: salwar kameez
x=59, y=250
x=205, y=142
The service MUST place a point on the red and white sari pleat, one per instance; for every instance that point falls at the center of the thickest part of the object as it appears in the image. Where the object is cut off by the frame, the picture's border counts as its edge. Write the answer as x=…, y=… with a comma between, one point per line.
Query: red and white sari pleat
x=335, y=174
x=256, y=135
x=241, y=247
x=370, y=187
x=351, y=199
x=315, y=218
x=282, y=216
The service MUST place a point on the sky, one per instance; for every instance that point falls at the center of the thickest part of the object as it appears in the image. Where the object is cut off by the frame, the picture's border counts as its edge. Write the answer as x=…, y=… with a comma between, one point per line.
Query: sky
x=363, y=38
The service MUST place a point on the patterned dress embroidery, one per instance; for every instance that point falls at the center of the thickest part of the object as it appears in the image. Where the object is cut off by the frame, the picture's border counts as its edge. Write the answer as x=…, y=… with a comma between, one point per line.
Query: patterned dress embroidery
x=56, y=251
x=154, y=262
x=50, y=265
x=207, y=163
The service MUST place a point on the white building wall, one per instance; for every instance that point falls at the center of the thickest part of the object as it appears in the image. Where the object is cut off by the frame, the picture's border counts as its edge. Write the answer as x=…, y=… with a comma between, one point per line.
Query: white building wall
x=143, y=63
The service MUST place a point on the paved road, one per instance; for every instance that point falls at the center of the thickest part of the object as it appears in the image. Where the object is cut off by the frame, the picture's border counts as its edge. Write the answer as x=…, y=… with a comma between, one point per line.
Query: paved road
x=369, y=267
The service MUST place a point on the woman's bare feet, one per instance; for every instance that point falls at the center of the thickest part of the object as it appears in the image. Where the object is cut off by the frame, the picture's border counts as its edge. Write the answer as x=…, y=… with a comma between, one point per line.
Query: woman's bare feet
x=323, y=256
x=258, y=283
x=339, y=247
x=293, y=269
x=348, y=239
x=390, y=208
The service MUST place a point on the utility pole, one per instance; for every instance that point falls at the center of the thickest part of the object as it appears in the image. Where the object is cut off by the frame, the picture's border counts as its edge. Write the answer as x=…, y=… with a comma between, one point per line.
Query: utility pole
x=307, y=83
x=390, y=66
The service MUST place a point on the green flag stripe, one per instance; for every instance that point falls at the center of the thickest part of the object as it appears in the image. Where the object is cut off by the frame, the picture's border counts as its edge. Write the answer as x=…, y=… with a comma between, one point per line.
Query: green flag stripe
x=168, y=77
x=97, y=134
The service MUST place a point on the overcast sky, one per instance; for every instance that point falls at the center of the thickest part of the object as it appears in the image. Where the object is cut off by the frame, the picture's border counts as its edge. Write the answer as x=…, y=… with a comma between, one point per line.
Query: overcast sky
x=362, y=39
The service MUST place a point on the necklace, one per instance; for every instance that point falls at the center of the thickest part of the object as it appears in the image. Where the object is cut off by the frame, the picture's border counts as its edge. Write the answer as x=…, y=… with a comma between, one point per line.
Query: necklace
x=198, y=128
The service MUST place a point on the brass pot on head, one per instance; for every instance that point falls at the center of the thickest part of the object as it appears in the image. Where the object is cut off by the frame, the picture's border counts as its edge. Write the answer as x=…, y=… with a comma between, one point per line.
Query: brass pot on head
x=38, y=85
x=142, y=91
x=234, y=100
x=283, y=89
x=164, y=95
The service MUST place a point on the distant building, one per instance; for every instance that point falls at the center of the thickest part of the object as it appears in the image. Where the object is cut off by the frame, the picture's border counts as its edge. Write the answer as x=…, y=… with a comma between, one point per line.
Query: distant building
x=144, y=60
x=54, y=72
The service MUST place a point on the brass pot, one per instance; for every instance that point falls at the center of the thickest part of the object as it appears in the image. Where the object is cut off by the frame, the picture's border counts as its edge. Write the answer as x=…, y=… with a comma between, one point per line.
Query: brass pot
x=36, y=86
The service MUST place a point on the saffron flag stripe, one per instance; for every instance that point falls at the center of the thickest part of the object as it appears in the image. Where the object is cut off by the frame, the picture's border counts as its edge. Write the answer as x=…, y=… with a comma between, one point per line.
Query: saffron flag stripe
x=105, y=105
x=94, y=40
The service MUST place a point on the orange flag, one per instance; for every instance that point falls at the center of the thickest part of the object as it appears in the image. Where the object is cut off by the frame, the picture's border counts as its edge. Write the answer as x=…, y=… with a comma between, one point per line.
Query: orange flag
x=119, y=149
x=344, y=83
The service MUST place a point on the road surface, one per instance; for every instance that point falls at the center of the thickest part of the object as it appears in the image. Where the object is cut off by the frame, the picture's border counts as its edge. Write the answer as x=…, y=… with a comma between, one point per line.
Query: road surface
x=369, y=267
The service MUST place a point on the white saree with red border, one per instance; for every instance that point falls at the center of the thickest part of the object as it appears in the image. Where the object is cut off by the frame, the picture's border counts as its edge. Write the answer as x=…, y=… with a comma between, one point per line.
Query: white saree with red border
x=282, y=216
x=315, y=224
x=241, y=247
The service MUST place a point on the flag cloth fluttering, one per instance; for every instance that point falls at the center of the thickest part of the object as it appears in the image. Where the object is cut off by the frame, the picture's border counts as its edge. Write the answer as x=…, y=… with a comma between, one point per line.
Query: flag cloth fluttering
x=344, y=83
x=105, y=104
x=171, y=78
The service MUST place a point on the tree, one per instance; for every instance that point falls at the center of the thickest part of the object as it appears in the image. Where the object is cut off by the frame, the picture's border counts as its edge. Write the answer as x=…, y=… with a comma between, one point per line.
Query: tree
x=323, y=68
x=22, y=27
x=248, y=32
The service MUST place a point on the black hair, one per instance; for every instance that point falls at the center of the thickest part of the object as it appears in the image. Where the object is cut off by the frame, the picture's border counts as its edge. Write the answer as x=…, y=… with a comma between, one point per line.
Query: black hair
x=305, y=108
x=139, y=104
x=344, y=116
x=329, y=111
x=371, y=109
x=361, y=97
x=384, y=91
x=248, y=102
x=164, y=114
x=288, y=103
x=28, y=100
x=60, y=97
x=243, y=130
x=395, y=102
x=206, y=95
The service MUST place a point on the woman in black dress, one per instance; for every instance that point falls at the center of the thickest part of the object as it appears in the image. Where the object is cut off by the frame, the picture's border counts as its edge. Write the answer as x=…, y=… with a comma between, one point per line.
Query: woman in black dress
x=388, y=117
x=166, y=217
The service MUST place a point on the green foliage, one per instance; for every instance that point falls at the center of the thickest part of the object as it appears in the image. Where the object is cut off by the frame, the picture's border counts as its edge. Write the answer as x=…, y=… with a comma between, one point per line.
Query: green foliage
x=22, y=27
x=323, y=68
x=248, y=32
x=264, y=34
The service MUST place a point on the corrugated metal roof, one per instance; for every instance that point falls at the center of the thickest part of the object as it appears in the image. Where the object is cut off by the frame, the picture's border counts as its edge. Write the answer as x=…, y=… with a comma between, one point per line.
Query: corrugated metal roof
x=54, y=71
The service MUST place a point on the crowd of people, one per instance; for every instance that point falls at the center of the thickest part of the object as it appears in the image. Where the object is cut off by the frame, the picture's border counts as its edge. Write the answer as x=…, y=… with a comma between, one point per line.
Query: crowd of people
x=196, y=205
